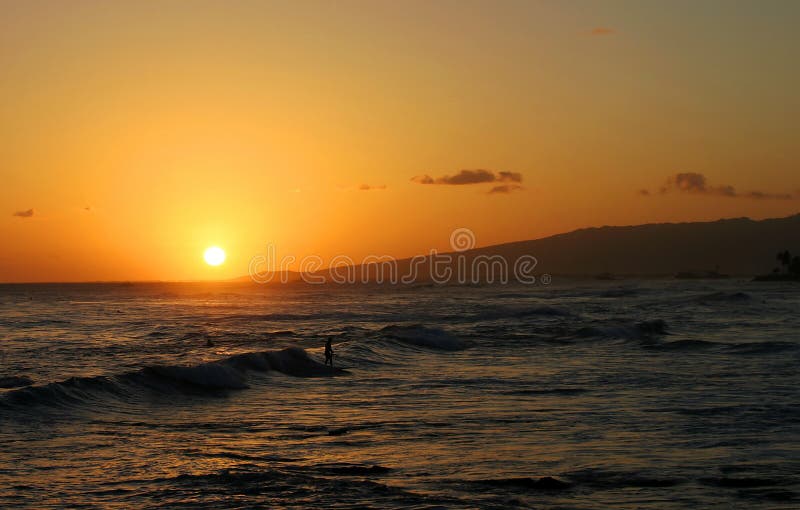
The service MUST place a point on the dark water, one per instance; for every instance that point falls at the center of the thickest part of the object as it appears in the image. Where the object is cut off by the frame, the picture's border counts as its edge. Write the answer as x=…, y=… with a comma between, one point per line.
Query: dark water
x=577, y=395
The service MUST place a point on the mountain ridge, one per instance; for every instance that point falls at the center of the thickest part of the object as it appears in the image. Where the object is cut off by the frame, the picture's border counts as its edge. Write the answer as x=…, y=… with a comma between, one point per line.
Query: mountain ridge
x=737, y=246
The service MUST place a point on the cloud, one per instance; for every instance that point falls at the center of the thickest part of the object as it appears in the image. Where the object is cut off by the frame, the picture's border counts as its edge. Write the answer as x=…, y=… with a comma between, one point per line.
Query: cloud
x=367, y=187
x=691, y=182
x=422, y=179
x=505, y=188
x=24, y=214
x=463, y=177
x=603, y=31
x=509, y=177
x=697, y=184
x=760, y=195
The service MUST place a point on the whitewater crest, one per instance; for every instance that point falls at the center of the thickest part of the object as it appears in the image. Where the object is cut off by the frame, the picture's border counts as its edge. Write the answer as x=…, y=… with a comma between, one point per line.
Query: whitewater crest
x=226, y=374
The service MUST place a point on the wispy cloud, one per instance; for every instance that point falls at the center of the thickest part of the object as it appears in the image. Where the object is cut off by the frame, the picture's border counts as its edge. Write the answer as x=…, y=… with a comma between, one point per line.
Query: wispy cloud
x=697, y=184
x=423, y=179
x=603, y=31
x=463, y=177
x=505, y=189
x=24, y=214
x=368, y=187
x=760, y=195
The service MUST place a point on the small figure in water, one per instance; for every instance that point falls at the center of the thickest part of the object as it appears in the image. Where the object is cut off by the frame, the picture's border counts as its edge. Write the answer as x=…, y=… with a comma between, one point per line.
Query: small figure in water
x=328, y=352
x=209, y=343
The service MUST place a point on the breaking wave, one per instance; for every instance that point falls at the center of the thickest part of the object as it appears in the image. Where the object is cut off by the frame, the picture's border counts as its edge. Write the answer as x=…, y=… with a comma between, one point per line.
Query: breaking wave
x=226, y=374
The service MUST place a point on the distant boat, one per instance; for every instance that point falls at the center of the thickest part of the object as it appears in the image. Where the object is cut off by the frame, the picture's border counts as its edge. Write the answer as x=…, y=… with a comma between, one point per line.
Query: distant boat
x=709, y=274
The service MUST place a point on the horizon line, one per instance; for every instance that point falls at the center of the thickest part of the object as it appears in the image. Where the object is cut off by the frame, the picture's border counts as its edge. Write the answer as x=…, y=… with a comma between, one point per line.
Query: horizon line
x=240, y=279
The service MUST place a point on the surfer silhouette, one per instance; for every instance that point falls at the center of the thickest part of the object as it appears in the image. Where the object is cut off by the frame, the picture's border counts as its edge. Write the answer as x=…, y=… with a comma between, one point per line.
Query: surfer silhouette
x=328, y=352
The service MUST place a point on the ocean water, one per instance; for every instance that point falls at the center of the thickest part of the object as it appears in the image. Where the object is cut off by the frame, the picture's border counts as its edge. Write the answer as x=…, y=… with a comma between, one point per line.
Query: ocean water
x=621, y=394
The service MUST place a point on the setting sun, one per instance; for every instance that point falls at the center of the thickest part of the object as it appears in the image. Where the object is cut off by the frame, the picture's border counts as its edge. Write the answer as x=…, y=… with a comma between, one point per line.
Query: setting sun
x=214, y=256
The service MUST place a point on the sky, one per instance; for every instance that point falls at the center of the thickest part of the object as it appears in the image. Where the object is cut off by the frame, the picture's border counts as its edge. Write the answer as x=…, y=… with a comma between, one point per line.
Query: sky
x=134, y=135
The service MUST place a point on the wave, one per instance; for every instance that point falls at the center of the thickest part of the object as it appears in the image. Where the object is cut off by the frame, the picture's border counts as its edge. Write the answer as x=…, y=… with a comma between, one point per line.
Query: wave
x=422, y=336
x=726, y=297
x=230, y=373
x=547, y=391
x=685, y=345
x=293, y=317
x=619, y=292
x=348, y=469
x=226, y=374
x=627, y=331
x=279, y=333
x=761, y=347
x=608, y=479
x=15, y=381
x=545, y=483
x=745, y=482
x=493, y=313
x=211, y=375
x=344, y=429
x=250, y=485
x=239, y=477
x=30, y=323
x=518, y=313
x=733, y=348
x=367, y=353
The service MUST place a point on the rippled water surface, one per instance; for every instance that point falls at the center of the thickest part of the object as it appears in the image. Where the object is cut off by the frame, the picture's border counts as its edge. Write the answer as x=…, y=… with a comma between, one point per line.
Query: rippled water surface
x=628, y=394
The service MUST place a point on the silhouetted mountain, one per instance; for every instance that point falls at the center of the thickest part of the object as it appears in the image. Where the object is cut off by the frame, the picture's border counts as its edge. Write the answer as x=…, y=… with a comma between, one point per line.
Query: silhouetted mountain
x=738, y=246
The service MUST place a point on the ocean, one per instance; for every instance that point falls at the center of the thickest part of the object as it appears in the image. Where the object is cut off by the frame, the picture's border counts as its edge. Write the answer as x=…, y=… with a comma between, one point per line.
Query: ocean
x=579, y=394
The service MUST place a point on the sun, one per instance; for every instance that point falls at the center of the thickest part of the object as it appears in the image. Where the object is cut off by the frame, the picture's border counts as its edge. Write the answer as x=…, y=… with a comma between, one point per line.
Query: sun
x=214, y=256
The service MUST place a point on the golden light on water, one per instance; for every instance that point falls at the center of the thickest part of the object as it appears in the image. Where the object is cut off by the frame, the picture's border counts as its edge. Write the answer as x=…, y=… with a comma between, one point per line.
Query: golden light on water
x=214, y=256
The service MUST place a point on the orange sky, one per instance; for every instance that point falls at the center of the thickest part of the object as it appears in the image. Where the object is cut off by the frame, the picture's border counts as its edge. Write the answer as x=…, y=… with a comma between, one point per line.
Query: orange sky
x=142, y=132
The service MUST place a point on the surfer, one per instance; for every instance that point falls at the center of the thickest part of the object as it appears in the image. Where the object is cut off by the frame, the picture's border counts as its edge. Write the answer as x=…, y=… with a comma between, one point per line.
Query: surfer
x=328, y=352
